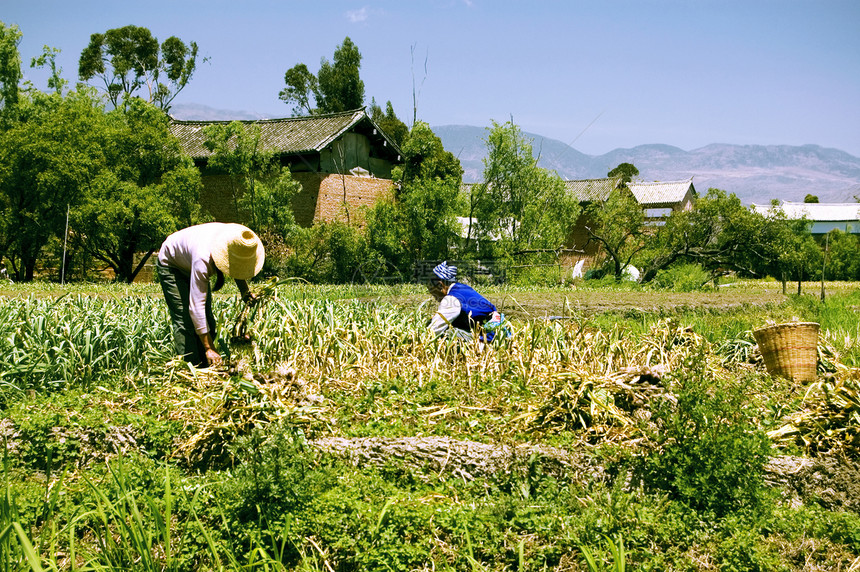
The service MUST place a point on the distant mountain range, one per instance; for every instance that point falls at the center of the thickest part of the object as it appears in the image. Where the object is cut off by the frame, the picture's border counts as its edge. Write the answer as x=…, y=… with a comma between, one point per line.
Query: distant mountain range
x=755, y=173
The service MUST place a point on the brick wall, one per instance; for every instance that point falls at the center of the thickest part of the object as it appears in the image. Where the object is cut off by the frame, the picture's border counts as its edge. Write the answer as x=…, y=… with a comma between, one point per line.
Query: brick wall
x=216, y=197
x=343, y=196
x=322, y=197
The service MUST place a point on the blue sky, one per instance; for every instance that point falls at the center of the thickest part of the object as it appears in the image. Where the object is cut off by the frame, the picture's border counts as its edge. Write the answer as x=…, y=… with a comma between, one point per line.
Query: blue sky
x=601, y=74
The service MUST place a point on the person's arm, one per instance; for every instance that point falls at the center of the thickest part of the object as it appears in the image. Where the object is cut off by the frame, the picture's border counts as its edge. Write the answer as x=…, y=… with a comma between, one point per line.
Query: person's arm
x=212, y=355
x=449, y=309
x=247, y=296
x=199, y=283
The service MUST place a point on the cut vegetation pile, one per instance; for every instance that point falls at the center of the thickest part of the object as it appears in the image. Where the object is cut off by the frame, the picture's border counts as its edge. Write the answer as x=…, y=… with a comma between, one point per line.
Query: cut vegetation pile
x=342, y=436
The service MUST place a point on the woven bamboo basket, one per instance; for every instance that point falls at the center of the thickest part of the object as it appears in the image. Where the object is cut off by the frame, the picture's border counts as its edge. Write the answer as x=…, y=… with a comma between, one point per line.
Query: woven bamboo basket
x=790, y=350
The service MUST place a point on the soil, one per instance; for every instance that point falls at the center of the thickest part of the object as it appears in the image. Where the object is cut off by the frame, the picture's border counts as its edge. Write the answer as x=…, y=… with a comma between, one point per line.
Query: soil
x=566, y=303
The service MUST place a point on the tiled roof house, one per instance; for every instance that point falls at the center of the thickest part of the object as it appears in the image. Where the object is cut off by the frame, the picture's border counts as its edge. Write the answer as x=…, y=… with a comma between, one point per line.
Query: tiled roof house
x=660, y=198
x=657, y=199
x=340, y=159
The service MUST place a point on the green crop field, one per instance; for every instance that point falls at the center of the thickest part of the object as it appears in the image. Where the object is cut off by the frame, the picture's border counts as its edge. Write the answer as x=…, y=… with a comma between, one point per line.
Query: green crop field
x=617, y=429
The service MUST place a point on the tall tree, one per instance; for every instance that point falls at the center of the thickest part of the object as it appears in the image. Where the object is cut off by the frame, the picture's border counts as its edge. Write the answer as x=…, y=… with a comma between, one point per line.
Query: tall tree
x=519, y=207
x=336, y=87
x=302, y=87
x=340, y=86
x=618, y=224
x=145, y=190
x=129, y=59
x=419, y=221
x=49, y=158
x=626, y=171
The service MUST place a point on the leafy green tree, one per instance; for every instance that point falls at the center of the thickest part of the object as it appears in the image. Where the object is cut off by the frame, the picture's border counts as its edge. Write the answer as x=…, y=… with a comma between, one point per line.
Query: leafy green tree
x=340, y=87
x=336, y=87
x=129, y=59
x=844, y=258
x=10, y=71
x=720, y=234
x=302, y=87
x=790, y=250
x=520, y=207
x=48, y=160
x=389, y=122
x=809, y=198
x=626, y=171
x=618, y=224
x=145, y=190
x=262, y=189
x=387, y=231
x=420, y=222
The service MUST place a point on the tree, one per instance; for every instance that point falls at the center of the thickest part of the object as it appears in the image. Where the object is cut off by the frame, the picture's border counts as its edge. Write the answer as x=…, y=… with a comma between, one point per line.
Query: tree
x=128, y=59
x=49, y=58
x=626, y=171
x=618, y=224
x=720, y=234
x=844, y=258
x=301, y=88
x=10, y=71
x=810, y=198
x=262, y=189
x=420, y=220
x=49, y=158
x=336, y=87
x=340, y=87
x=520, y=207
x=389, y=122
x=145, y=190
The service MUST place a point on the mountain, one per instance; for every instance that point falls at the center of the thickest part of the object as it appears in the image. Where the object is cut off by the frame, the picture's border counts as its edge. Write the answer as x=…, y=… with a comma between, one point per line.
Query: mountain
x=755, y=173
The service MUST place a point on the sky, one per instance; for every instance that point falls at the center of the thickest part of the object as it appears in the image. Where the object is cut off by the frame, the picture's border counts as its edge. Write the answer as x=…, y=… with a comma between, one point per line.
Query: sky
x=598, y=74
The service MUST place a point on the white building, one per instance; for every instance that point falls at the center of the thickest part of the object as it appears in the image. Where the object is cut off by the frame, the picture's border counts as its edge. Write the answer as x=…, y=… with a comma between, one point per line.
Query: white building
x=823, y=217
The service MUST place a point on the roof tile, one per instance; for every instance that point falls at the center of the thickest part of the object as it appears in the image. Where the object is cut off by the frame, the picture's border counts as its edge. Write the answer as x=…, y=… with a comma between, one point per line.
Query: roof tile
x=290, y=135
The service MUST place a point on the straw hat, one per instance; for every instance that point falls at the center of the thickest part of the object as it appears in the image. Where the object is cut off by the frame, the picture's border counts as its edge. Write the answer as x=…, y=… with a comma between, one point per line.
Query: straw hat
x=238, y=252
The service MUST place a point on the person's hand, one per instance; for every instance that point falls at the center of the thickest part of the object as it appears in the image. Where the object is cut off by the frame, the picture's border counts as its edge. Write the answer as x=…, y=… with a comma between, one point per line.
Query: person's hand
x=213, y=358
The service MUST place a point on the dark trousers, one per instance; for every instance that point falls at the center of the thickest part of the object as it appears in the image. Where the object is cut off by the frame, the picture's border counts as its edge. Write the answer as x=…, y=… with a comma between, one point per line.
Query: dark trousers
x=176, y=286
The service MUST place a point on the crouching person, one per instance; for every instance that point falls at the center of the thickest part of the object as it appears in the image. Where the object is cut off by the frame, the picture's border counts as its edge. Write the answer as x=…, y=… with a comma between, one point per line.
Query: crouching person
x=186, y=262
x=461, y=309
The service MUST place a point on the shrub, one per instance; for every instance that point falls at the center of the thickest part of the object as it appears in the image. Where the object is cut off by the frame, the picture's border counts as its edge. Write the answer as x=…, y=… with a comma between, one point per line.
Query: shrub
x=706, y=449
x=683, y=278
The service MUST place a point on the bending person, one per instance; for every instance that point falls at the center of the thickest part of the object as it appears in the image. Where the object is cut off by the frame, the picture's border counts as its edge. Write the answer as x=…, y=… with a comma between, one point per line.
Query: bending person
x=461, y=308
x=187, y=260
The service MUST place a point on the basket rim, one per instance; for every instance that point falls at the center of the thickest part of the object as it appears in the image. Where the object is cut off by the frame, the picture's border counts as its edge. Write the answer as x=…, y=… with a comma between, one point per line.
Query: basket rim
x=788, y=325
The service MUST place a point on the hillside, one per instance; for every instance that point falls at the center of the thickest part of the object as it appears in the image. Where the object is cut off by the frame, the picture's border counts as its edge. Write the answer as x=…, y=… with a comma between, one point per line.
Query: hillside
x=756, y=173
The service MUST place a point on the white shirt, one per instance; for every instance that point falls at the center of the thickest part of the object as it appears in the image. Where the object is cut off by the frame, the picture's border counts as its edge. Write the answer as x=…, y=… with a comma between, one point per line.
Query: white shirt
x=449, y=309
x=190, y=250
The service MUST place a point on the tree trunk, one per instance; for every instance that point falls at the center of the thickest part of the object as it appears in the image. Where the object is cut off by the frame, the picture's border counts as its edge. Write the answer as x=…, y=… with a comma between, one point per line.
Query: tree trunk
x=462, y=459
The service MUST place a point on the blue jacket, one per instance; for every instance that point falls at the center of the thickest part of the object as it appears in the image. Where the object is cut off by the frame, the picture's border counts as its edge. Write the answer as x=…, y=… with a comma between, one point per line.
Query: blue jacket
x=475, y=309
